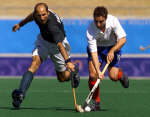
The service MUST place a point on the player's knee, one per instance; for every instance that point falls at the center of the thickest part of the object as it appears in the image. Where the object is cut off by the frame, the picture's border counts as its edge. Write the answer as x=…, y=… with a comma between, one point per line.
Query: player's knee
x=60, y=79
x=61, y=76
x=34, y=66
x=92, y=76
x=113, y=77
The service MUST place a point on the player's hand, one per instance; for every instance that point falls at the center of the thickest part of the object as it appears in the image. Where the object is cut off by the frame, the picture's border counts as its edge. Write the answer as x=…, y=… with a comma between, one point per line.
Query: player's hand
x=100, y=75
x=70, y=66
x=142, y=48
x=110, y=56
x=15, y=27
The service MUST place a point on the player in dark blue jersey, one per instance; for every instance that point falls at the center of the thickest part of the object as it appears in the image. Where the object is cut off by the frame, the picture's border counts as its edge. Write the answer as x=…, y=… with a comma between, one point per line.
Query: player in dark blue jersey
x=51, y=42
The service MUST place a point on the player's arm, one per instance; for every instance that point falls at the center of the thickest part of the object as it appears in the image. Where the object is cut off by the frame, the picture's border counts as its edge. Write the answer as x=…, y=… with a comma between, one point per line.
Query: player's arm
x=119, y=44
x=93, y=51
x=58, y=37
x=115, y=48
x=121, y=38
x=63, y=51
x=27, y=19
x=120, y=34
x=96, y=64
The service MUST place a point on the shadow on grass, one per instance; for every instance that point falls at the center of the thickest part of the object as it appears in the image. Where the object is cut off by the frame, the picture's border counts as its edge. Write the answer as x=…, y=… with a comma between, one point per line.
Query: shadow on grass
x=39, y=108
x=43, y=108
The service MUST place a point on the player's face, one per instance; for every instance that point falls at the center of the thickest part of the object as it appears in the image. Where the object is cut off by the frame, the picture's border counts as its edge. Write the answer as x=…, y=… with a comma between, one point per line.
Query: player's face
x=42, y=14
x=100, y=22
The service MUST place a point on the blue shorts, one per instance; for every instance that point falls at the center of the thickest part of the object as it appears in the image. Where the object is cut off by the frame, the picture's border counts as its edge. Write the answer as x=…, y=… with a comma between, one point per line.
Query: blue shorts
x=102, y=55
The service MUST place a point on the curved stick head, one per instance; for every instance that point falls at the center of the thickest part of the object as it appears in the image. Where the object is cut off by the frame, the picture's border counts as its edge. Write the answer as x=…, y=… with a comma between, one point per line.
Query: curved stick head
x=79, y=108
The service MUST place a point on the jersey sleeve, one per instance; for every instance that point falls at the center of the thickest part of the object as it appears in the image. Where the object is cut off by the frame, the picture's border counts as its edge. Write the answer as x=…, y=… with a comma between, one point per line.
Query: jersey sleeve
x=119, y=31
x=91, y=40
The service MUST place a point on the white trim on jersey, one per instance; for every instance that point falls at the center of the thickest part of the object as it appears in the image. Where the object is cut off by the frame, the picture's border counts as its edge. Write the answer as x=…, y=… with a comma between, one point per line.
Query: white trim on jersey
x=57, y=17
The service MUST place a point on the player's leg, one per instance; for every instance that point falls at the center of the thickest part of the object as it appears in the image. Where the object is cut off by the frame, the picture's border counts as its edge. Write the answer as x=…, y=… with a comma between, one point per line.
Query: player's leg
x=95, y=106
x=92, y=80
x=28, y=76
x=63, y=74
x=19, y=94
x=38, y=55
x=67, y=75
x=116, y=73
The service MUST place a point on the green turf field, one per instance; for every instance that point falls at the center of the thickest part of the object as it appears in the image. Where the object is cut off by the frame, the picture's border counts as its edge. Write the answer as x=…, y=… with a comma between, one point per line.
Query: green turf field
x=49, y=98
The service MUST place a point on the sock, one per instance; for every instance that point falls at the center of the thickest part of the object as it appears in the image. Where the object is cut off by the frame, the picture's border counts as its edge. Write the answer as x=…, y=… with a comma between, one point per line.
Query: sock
x=26, y=81
x=120, y=74
x=96, y=93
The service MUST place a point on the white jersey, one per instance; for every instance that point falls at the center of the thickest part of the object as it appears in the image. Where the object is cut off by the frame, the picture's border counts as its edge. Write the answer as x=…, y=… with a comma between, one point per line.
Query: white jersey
x=111, y=35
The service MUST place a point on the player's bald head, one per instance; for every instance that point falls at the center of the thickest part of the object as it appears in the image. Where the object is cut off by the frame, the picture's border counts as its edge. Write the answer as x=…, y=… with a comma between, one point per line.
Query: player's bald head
x=40, y=6
x=41, y=13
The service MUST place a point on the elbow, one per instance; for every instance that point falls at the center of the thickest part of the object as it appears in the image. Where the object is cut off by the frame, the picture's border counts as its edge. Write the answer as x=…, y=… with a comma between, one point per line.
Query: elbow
x=124, y=40
x=59, y=44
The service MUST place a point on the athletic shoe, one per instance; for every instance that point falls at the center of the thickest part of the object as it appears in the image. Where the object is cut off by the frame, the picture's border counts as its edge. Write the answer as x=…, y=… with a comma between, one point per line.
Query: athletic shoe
x=124, y=81
x=17, y=97
x=75, y=78
x=92, y=107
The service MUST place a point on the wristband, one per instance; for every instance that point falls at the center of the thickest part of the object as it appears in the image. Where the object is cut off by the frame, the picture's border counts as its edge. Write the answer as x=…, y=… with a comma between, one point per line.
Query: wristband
x=68, y=60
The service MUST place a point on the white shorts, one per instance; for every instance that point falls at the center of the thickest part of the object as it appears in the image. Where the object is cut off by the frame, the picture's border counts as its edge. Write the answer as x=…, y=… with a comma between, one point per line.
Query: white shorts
x=45, y=49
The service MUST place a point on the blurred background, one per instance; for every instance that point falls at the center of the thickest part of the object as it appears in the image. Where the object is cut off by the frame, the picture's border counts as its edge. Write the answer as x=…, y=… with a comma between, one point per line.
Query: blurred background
x=78, y=8
x=16, y=48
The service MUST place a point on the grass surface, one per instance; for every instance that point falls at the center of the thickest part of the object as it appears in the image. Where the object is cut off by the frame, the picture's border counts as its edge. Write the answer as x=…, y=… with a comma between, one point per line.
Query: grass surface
x=48, y=97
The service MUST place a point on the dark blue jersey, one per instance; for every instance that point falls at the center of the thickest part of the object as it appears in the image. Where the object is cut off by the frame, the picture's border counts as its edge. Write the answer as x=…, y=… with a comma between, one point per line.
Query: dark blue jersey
x=53, y=30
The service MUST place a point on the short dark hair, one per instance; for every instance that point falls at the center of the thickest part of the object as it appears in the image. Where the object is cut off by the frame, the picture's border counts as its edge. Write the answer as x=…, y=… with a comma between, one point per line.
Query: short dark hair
x=38, y=4
x=100, y=11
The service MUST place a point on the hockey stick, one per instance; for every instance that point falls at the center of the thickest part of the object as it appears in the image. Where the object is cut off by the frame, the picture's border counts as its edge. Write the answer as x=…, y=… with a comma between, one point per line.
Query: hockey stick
x=89, y=97
x=144, y=48
x=74, y=97
x=77, y=107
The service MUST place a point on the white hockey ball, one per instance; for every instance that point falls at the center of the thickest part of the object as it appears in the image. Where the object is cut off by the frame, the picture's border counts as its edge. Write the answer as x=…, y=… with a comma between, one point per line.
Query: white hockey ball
x=87, y=109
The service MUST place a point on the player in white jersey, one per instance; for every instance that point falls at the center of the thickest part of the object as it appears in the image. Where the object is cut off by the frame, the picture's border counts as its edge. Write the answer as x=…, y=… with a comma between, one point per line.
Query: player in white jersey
x=105, y=37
